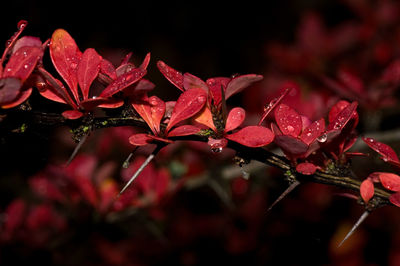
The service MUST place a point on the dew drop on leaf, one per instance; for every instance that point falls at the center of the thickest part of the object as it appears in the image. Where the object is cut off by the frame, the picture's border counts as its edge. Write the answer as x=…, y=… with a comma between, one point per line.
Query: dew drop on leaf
x=322, y=138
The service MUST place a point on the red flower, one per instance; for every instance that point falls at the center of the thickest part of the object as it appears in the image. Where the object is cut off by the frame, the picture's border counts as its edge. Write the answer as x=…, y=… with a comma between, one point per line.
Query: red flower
x=79, y=70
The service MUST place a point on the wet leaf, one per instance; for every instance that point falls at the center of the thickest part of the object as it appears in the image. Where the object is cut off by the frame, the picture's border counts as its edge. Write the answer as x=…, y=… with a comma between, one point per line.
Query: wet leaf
x=184, y=130
x=215, y=88
x=174, y=76
x=343, y=117
x=88, y=69
x=272, y=105
x=235, y=118
x=288, y=120
x=26, y=41
x=188, y=104
x=108, y=69
x=21, y=97
x=239, y=83
x=152, y=111
x=65, y=56
x=252, y=136
x=389, y=181
x=22, y=62
x=313, y=131
x=385, y=150
x=123, y=81
x=367, y=190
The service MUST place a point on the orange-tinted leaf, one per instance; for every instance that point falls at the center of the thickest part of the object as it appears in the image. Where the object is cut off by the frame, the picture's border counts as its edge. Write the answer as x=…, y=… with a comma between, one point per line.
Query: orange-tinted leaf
x=184, y=130
x=188, y=104
x=174, y=76
x=313, y=131
x=367, y=190
x=22, y=62
x=9, y=89
x=205, y=118
x=306, y=168
x=65, y=56
x=252, y=136
x=235, y=118
x=239, y=83
x=72, y=114
x=395, y=199
x=88, y=69
x=288, y=120
x=152, y=111
x=385, y=150
x=390, y=181
x=343, y=117
x=123, y=81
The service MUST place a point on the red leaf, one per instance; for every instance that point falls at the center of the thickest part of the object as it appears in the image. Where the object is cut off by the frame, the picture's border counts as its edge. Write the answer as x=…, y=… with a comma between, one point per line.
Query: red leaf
x=188, y=104
x=184, y=130
x=336, y=109
x=92, y=103
x=72, y=114
x=306, y=168
x=215, y=85
x=288, y=120
x=217, y=144
x=272, y=104
x=123, y=81
x=343, y=117
x=390, y=181
x=174, y=76
x=252, y=136
x=313, y=131
x=65, y=56
x=88, y=69
x=291, y=144
x=367, y=190
x=385, y=150
x=26, y=41
x=21, y=97
x=191, y=81
x=152, y=111
x=140, y=139
x=145, y=62
x=395, y=199
x=9, y=89
x=108, y=69
x=239, y=83
x=235, y=118
x=22, y=62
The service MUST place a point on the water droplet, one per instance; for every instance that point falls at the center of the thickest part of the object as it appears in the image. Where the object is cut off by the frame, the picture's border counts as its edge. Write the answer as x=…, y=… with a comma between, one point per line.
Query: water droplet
x=216, y=150
x=25, y=54
x=322, y=138
x=290, y=128
x=22, y=24
x=25, y=66
x=308, y=134
x=385, y=159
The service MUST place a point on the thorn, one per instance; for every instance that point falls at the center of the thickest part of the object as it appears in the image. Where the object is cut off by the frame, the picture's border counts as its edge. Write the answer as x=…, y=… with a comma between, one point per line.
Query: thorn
x=127, y=161
x=287, y=191
x=355, y=226
x=77, y=148
x=144, y=164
